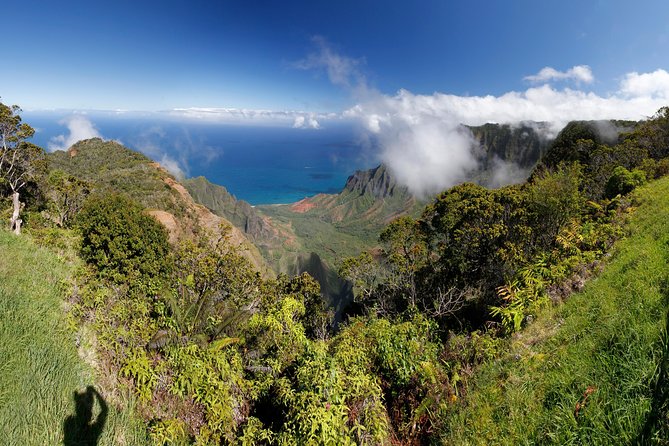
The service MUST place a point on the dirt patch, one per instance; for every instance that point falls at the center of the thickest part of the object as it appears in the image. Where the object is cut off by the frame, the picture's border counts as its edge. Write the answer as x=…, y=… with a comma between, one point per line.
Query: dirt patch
x=302, y=206
x=196, y=213
x=169, y=222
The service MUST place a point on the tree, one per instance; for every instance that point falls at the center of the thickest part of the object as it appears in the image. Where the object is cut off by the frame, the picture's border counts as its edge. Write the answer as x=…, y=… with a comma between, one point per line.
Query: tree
x=66, y=195
x=653, y=134
x=20, y=162
x=574, y=143
x=554, y=200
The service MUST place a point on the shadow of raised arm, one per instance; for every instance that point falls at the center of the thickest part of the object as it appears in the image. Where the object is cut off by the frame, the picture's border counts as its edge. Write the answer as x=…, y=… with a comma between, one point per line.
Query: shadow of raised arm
x=97, y=427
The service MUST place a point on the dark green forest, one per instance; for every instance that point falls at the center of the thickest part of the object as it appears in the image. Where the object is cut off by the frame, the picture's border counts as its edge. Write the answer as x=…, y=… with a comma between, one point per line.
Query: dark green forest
x=209, y=349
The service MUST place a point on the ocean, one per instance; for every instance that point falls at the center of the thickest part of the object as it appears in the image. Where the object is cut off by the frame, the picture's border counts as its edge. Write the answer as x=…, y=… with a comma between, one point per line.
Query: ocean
x=262, y=165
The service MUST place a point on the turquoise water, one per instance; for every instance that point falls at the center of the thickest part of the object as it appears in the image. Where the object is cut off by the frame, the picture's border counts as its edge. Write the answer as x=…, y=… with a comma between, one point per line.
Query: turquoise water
x=262, y=165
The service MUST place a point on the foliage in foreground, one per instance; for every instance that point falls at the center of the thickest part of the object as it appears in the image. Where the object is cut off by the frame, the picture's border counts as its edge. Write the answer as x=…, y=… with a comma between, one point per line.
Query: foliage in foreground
x=40, y=370
x=594, y=370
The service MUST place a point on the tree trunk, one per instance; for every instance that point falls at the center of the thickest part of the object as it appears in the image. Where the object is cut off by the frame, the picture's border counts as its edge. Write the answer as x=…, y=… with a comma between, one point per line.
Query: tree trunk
x=16, y=221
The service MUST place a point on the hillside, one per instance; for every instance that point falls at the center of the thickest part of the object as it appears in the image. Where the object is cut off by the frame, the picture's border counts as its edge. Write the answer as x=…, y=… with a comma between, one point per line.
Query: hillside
x=593, y=370
x=459, y=332
x=314, y=234
x=111, y=167
x=40, y=370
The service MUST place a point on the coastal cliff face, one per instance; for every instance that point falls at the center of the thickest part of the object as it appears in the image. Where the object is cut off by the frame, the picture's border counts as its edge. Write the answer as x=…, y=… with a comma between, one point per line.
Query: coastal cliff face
x=223, y=203
x=522, y=144
x=376, y=182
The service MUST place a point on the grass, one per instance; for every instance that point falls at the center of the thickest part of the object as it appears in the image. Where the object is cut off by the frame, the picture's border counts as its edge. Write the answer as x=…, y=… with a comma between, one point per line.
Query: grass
x=594, y=369
x=40, y=370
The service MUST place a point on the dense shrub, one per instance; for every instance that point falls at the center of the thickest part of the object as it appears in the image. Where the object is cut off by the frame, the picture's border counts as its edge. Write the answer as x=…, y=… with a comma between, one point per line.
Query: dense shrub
x=120, y=240
x=623, y=181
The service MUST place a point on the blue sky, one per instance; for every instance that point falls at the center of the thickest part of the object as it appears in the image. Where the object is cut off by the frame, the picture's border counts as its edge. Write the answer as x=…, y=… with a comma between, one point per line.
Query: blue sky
x=143, y=55
x=405, y=74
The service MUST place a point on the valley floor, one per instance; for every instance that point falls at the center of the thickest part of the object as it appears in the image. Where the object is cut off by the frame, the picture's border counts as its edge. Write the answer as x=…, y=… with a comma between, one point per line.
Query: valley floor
x=594, y=370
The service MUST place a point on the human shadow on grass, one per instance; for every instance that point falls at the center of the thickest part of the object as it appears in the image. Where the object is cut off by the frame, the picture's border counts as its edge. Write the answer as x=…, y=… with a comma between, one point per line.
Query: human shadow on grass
x=81, y=429
x=657, y=424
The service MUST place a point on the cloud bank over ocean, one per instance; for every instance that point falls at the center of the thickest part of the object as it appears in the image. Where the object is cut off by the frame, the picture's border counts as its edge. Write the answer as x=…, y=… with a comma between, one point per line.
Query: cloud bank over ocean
x=421, y=138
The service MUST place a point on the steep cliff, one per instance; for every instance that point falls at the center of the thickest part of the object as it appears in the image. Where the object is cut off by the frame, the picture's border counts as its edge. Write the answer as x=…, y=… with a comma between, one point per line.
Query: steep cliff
x=377, y=182
x=223, y=203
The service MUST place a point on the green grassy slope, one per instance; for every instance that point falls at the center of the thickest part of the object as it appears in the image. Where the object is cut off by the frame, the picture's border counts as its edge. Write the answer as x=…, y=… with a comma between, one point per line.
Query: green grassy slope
x=39, y=366
x=593, y=370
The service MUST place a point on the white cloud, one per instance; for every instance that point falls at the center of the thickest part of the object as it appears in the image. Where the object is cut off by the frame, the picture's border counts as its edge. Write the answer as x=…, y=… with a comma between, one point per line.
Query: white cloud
x=150, y=142
x=506, y=172
x=240, y=116
x=420, y=138
x=80, y=127
x=578, y=73
x=654, y=85
x=306, y=122
x=172, y=166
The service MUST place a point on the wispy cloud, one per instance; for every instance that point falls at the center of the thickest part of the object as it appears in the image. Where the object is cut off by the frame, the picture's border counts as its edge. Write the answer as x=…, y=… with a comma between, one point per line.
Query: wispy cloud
x=341, y=70
x=174, y=147
x=79, y=127
x=150, y=142
x=241, y=116
x=578, y=74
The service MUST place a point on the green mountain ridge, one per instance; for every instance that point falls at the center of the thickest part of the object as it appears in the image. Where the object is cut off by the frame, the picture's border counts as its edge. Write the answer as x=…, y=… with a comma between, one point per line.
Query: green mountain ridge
x=112, y=168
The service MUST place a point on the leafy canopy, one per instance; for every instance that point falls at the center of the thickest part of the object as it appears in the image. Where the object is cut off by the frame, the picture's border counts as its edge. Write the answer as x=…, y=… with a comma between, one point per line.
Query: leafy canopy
x=121, y=240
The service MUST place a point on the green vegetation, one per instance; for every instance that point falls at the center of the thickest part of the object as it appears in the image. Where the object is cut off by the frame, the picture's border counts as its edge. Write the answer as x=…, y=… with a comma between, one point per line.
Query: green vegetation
x=458, y=332
x=121, y=240
x=66, y=195
x=21, y=163
x=110, y=167
x=40, y=370
x=593, y=370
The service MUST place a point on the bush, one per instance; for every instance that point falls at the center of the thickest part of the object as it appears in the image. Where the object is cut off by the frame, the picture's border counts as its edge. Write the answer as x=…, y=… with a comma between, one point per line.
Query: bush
x=623, y=181
x=120, y=240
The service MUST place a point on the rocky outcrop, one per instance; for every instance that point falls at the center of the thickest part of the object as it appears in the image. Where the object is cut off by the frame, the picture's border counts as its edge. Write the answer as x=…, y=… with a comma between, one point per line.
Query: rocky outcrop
x=521, y=144
x=377, y=182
